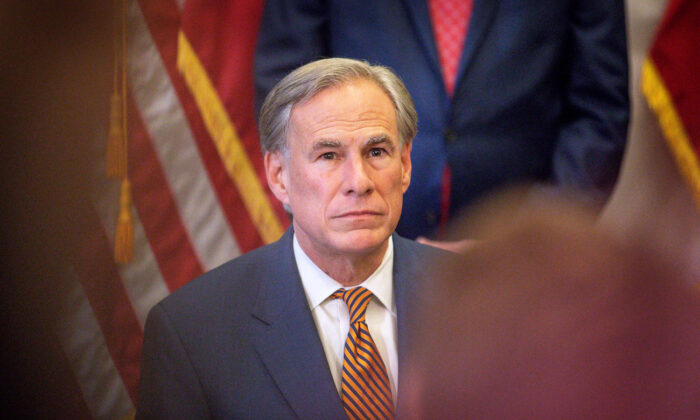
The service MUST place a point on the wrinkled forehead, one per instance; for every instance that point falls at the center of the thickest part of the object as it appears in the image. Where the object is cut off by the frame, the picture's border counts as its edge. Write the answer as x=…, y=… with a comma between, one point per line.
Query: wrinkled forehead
x=357, y=106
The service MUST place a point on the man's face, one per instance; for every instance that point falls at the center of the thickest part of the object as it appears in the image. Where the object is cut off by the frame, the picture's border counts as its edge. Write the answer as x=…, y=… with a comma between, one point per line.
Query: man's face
x=345, y=171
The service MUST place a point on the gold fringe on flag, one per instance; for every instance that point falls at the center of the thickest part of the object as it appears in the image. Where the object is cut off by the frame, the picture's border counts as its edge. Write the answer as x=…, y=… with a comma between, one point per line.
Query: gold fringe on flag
x=117, y=142
x=116, y=152
x=660, y=101
x=124, y=238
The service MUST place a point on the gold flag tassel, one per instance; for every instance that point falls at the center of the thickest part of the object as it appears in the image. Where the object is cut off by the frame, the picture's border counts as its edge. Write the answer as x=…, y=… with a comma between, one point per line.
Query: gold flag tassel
x=124, y=236
x=116, y=153
x=124, y=239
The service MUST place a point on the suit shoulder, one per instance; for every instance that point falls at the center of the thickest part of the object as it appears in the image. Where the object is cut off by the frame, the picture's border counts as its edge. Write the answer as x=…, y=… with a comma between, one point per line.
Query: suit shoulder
x=419, y=250
x=233, y=283
x=418, y=258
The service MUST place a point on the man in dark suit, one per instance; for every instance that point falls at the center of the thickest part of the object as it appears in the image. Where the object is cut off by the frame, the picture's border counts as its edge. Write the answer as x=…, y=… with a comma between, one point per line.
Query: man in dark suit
x=537, y=90
x=277, y=333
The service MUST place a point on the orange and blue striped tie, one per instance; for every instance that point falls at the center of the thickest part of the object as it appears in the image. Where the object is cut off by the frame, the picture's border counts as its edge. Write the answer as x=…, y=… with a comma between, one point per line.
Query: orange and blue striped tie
x=365, y=388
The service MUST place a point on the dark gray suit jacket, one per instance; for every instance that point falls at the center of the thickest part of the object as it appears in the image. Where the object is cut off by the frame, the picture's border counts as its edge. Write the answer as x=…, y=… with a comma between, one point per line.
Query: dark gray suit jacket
x=240, y=341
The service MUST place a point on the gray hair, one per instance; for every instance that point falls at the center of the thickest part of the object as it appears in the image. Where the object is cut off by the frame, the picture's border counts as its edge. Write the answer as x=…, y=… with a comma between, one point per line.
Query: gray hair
x=308, y=80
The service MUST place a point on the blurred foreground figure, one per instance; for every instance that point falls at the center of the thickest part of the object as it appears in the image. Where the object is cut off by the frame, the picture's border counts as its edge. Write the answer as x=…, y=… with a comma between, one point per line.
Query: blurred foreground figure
x=55, y=74
x=653, y=203
x=549, y=318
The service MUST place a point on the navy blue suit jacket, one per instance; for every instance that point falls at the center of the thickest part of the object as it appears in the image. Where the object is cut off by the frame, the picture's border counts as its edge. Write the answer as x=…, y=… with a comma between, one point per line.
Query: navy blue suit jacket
x=240, y=341
x=541, y=93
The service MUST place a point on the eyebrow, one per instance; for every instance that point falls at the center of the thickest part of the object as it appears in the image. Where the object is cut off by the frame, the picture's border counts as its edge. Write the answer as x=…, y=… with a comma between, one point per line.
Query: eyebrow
x=372, y=141
x=381, y=139
x=325, y=144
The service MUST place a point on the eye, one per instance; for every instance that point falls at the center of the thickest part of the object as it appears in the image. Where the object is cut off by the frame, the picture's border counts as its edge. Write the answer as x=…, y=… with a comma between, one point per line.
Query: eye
x=328, y=156
x=376, y=152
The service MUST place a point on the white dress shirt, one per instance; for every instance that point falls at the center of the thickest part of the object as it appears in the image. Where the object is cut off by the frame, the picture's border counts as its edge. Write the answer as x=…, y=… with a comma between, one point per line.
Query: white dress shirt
x=333, y=319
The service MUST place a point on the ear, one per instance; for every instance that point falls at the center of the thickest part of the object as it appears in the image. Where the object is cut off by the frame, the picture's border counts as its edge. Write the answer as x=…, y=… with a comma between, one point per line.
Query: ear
x=406, y=166
x=276, y=171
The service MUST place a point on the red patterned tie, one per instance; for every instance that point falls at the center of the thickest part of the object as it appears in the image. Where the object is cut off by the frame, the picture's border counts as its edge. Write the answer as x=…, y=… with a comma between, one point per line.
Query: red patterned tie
x=450, y=22
x=365, y=388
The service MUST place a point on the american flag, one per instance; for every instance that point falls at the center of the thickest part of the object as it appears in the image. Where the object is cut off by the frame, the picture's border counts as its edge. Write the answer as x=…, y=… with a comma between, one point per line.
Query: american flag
x=198, y=187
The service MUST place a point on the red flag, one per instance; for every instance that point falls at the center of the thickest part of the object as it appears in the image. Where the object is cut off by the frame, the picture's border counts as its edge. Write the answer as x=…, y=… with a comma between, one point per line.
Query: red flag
x=670, y=84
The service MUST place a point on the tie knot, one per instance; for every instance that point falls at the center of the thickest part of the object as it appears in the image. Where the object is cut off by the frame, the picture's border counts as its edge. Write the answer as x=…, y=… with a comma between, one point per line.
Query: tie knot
x=357, y=300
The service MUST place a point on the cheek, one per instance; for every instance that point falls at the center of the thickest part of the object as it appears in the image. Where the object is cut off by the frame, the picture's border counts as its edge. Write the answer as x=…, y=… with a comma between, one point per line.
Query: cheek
x=394, y=188
x=394, y=182
x=309, y=191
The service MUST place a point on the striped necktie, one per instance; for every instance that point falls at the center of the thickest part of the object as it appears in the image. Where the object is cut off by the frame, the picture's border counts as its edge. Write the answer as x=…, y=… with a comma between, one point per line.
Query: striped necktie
x=365, y=388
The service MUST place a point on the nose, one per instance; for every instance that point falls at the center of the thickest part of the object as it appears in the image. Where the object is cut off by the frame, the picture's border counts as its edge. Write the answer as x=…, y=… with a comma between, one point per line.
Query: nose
x=356, y=178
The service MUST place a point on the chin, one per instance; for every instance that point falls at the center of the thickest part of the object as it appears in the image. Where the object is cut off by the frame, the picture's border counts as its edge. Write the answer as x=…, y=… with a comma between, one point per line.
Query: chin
x=363, y=240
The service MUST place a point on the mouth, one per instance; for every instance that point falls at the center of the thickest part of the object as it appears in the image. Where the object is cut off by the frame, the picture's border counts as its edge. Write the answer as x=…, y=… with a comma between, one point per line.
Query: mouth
x=358, y=214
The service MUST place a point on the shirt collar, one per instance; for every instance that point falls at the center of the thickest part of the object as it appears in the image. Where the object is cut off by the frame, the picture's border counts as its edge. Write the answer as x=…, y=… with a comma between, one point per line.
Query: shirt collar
x=319, y=285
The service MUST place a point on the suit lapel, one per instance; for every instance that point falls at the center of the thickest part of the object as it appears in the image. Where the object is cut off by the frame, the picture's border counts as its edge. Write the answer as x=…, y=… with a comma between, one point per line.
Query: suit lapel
x=479, y=25
x=284, y=335
x=480, y=22
x=420, y=17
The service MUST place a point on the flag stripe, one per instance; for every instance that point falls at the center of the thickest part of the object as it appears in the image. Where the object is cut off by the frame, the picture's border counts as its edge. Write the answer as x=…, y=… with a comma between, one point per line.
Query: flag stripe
x=109, y=301
x=667, y=82
x=228, y=61
x=163, y=21
x=141, y=278
x=223, y=36
x=682, y=149
x=674, y=55
x=103, y=389
x=201, y=214
x=228, y=143
x=164, y=228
